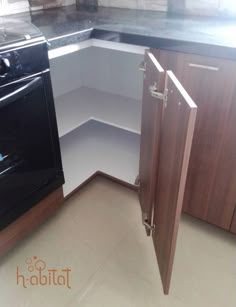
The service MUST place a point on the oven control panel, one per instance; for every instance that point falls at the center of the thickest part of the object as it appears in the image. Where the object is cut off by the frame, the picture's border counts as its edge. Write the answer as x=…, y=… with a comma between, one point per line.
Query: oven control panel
x=23, y=62
x=4, y=66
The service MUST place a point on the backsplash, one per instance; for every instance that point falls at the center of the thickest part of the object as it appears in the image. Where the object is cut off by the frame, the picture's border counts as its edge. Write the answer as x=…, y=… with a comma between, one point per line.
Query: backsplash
x=46, y=4
x=156, y=5
x=17, y=6
x=13, y=6
x=204, y=7
x=188, y=7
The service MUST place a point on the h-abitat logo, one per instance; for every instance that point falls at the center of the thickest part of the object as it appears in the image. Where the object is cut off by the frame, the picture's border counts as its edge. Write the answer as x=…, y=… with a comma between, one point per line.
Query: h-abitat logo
x=39, y=275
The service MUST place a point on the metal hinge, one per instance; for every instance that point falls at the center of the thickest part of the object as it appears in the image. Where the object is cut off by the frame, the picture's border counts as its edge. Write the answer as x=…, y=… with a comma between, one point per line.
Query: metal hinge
x=146, y=223
x=142, y=66
x=137, y=181
x=158, y=95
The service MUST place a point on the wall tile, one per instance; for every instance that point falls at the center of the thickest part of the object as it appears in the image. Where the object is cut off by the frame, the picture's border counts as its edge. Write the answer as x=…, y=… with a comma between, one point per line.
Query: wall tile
x=132, y=4
x=17, y=6
x=103, y=2
x=204, y=7
x=227, y=7
x=195, y=7
x=157, y=5
x=13, y=6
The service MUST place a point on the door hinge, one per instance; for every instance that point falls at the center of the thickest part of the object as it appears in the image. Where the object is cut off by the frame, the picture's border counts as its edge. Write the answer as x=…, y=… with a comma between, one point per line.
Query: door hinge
x=146, y=223
x=137, y=181
x=158, y=95
x=142, y=66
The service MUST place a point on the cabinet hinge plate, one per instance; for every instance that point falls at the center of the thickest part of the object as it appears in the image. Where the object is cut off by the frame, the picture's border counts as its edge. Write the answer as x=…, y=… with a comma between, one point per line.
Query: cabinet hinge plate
x=142, y=66
x=158, y=95
x=137, y=181
x=148, y=226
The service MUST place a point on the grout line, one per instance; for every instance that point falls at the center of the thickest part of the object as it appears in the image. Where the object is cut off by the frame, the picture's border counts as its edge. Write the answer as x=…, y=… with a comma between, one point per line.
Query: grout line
x=85, y=289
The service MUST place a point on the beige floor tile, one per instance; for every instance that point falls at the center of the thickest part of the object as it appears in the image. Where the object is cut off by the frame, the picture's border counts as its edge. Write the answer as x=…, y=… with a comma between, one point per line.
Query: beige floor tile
x=116, y=284
x=205, y=263
x=102, y=214
x=59, y=250
x=98, y=234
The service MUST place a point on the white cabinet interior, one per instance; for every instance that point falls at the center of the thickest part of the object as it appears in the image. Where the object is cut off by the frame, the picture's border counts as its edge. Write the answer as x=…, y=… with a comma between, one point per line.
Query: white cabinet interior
x=98, y=94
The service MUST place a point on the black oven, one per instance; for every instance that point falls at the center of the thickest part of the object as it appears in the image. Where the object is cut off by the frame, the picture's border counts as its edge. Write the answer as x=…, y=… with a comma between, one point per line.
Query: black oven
x=30, y=160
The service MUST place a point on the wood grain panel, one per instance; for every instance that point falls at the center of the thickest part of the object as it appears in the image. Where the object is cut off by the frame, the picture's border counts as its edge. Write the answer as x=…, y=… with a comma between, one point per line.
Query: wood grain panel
x=233, y=225
x=150, y=134
x=210, y=188
x=175, y=145
x=222, y=194
x=25, y=224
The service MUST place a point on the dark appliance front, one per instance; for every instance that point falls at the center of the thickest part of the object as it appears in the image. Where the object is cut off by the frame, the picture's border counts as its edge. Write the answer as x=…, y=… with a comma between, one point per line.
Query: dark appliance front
x=30, y=159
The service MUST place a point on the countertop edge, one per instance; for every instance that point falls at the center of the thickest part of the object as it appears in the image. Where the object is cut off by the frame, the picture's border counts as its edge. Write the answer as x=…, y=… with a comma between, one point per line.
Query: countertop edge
x=196, y=48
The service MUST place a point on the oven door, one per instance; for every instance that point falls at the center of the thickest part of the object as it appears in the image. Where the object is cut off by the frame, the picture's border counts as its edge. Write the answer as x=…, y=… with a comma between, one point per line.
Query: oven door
x=27, y=154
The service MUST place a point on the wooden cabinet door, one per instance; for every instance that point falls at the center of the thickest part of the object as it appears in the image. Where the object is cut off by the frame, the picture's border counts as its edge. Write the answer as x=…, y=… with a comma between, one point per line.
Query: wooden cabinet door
x=210, y=192
x=168, y=131
x=150, y=131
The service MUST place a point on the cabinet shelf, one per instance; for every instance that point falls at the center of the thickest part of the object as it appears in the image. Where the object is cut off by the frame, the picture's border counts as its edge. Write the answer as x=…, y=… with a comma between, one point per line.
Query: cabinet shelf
x=84, y=104
x=96, y=147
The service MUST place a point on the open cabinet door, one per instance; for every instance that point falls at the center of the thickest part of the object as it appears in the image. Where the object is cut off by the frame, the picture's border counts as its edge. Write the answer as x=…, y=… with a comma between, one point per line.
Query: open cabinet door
x=168, y=119
x=154, y=80
x=175, y=145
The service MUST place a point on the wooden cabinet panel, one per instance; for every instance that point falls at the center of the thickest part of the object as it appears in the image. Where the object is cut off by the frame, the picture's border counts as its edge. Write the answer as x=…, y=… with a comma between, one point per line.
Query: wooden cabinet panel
x=210, y=188
x=175, y=146
x=168, y=120
x=222, y=196
x=233, y=225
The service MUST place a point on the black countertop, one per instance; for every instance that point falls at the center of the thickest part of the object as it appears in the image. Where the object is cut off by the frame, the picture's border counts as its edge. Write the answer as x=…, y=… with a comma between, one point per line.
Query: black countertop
x=205, y=36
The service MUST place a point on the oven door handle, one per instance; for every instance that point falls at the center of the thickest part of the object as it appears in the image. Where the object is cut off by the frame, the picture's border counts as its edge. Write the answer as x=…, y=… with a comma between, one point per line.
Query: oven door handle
x=20, y=92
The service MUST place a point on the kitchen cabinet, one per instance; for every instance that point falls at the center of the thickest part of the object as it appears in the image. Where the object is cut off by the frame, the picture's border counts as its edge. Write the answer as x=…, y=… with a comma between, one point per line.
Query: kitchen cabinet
x=210, y=189
x=127, y=124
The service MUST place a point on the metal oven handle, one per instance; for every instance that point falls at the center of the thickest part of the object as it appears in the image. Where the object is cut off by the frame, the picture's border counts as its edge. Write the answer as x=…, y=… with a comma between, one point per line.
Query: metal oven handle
x=20, y=92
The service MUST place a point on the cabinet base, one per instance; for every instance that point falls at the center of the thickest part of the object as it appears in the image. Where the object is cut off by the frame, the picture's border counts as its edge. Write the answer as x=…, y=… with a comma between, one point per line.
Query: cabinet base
x=25, y=224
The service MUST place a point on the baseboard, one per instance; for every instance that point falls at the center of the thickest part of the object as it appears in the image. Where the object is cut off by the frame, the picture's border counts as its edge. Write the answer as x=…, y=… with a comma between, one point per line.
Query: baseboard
x=29, y=221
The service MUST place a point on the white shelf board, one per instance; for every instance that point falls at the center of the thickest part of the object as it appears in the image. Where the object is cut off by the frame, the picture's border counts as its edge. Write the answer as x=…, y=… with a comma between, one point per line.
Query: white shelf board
x=81, y=105
x=99, y=147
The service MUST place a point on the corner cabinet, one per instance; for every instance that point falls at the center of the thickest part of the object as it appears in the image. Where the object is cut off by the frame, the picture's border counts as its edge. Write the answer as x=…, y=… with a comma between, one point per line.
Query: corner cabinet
x=106, y=126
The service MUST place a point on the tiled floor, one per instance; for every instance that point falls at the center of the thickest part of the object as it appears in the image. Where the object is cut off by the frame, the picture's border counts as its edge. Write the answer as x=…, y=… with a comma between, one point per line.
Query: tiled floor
x=98, y=235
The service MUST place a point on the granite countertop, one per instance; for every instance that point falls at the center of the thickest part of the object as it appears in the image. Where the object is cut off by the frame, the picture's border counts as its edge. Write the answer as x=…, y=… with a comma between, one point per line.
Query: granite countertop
x=206, y=36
